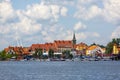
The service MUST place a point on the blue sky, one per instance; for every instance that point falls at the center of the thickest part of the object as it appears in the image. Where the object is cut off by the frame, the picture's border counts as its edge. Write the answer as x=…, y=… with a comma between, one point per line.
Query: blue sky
x=24, y=22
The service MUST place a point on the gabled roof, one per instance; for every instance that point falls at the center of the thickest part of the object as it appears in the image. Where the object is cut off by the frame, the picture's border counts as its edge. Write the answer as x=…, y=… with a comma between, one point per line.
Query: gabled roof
x=63, y=43
x=50, y=46
x=92, y=47
x=18, y=50
x=37, y=46
x=82, y=44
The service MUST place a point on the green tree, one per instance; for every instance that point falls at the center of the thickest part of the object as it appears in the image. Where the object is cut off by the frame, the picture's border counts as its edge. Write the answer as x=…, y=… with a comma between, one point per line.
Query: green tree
x=66, y=53
x=40, y=53
x=70, y=56
x=116, y=40
x=109, y=48
x=3, y=55
x=51, y=53
x=35, y=55
x=8, y=56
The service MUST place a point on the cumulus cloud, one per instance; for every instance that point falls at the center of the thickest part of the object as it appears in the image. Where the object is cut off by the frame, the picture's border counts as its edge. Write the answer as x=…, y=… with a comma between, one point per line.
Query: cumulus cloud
x=93, y=12
x=28, y=26
x=6, y=11
x=45, y=12
x=88, y=13
x=38, y=22
x=27, y=19
x=79, y=26
x=110, y=10
x=64, y=11
x=38, y=11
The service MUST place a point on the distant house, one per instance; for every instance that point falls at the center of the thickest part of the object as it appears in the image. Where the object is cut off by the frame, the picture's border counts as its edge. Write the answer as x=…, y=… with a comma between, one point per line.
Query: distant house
x=17, y=50
x=49, y=46
x=34, y=47
x=57, y=46
x=116, y=49
x=62, y=45
x=81, y=48
x=94, y=49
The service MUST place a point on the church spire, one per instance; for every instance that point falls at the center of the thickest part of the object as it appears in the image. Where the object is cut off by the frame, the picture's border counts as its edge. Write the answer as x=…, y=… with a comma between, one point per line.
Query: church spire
x=74, y=39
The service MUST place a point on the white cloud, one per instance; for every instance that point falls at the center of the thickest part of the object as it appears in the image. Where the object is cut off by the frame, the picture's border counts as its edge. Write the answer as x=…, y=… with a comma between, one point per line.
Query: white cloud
x=45, y=12
x=21, y=28
x=38, y=11
x=111, y=11
x=88, y=13
x=5, y=29
x=116, y=33
x=64, y=11
x=6, y=11
x=93, y=12
x=55, y=11
x=79, y=26
x=28, y=27
x=34, y=23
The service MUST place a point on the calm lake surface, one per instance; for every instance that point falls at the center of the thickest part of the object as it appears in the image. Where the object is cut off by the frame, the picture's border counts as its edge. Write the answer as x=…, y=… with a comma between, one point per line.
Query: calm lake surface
x=33, y=70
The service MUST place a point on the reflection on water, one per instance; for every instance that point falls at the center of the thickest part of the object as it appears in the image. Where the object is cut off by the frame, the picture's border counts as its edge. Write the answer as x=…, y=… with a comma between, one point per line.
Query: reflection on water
x=107, y=70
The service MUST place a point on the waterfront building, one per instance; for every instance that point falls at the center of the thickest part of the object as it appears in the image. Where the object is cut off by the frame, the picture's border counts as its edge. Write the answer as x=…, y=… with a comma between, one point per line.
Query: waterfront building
x=62, y=45
x=116, y=49
x=57, y=46
x=81, y=48
x=17, y=50
x=34, y=47
x=94, y=50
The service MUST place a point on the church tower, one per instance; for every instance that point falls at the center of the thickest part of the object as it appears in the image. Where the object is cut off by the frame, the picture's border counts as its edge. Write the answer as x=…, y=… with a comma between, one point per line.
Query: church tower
x=74, y=39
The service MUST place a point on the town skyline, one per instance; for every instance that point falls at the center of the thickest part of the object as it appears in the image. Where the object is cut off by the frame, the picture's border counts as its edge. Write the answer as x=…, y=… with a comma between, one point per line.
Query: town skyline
x=40, y=21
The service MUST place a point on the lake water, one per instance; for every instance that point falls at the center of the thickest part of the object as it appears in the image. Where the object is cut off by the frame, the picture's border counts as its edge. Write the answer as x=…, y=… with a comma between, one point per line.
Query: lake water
x=31, y=70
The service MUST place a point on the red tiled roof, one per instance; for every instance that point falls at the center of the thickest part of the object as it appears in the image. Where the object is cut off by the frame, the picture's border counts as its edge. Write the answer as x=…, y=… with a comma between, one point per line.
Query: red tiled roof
x=50, y=46
x=54, y=46
x=6, y=49
x=18, y=50
x=63, y=43
x=37, y=46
